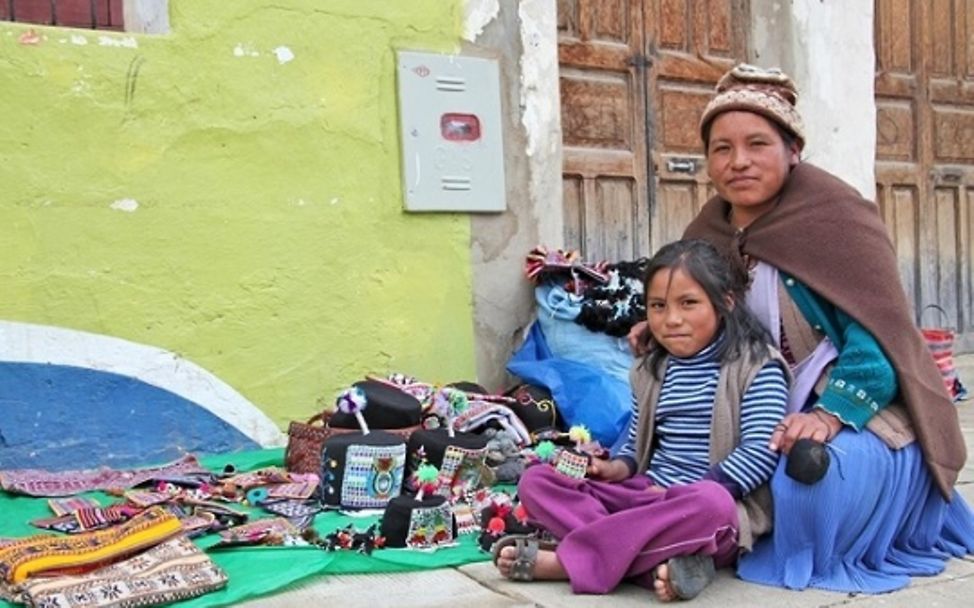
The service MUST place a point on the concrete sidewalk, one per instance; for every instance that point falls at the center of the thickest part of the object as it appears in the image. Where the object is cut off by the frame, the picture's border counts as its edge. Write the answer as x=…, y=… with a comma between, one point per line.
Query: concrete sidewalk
x=479, y=584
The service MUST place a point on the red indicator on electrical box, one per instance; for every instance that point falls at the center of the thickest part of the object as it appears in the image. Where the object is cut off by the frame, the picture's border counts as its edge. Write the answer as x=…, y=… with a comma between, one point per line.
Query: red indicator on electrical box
x=460, y=127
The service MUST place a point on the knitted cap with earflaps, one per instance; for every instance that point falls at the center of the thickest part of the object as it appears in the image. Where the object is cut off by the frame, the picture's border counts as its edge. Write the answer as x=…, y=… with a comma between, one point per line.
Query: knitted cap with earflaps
x=768, y=92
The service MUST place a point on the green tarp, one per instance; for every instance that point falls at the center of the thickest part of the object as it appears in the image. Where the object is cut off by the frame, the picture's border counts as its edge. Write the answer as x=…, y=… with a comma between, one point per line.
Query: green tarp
x=255, y=571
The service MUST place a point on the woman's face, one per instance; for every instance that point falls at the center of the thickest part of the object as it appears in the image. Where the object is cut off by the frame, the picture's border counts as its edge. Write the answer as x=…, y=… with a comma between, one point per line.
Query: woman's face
x=681, y=316
x=748, y=161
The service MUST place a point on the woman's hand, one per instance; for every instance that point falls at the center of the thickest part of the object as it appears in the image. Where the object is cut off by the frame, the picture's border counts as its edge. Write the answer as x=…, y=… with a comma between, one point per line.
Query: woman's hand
x=607, y=470
x=817, y=425
x=639, y=338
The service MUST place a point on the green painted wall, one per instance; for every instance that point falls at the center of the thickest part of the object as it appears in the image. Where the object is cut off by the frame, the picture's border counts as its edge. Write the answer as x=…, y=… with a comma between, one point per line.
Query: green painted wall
x=207, y=194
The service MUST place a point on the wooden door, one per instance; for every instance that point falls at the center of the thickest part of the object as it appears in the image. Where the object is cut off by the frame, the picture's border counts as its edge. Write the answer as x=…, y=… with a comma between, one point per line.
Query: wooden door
x=635, y=76
x=925, y=151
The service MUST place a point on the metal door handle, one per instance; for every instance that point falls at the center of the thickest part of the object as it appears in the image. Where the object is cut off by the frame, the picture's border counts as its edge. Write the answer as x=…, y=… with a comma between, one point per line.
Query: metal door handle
x=681, y=165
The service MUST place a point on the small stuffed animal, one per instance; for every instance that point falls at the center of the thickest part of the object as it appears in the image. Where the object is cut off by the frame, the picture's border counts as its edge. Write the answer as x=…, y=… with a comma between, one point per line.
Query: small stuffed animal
x=504, y=455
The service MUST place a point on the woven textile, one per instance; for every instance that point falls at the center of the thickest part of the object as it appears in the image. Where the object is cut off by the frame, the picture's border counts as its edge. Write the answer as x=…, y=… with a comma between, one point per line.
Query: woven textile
x=262, y=531
x=35, y=482
x=50, y=554
x=373, y=475
x=572, y=464
x=301, y=488
x=169, y=572
x=461, y=470
x=430, y=527
x=64, y=506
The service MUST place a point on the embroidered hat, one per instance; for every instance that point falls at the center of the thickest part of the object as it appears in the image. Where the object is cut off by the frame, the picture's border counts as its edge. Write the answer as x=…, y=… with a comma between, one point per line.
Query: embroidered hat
x=387, y=408
x=459, y=458
x=535, y=406
x=768, y=92
x=418, y=524
x=362, y=471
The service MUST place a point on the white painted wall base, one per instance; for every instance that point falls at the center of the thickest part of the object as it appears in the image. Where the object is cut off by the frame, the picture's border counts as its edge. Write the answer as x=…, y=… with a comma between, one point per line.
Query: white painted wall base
x=827, y=48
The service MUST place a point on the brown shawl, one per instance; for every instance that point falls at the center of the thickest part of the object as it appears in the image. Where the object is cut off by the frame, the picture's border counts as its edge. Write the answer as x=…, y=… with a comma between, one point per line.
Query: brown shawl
x=827, y=236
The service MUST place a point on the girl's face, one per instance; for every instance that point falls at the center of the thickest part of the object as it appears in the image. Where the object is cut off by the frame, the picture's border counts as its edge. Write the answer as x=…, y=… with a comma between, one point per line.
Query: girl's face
x=748, y=161
x=681, y=317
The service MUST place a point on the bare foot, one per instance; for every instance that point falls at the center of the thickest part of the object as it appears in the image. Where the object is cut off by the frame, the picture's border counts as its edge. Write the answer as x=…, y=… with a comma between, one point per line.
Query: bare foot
x=546, y=565
x=664, y=592
x=683, y=577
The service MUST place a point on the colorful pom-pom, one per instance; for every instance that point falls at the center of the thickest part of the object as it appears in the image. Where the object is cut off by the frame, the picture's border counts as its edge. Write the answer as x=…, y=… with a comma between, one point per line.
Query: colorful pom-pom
x=496, y=525
x=579, y=434
x=351, y=400
x=545, y=450
x=427, y=473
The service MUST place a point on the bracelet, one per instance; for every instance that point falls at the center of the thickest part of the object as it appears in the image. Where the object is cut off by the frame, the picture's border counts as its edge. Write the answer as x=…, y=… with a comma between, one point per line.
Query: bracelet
x=820, y=414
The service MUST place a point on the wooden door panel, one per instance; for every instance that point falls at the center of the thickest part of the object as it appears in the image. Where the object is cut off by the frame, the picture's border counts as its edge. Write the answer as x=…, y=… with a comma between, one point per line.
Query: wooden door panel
x=953, y=135
x=679, y=203
x=596, y=111
x=899, y=206
x=615, y=216
x=717, y=32
x=931, y=290
x=611, y=21
x=940, y=20
x=895, y=36
x=679, y=114
x=574, y=230
x=700, y=29
x=674, y=19
x=603, y=128
x=965, y=264
x=612, y=219
x=942, y=268
x=896, y=130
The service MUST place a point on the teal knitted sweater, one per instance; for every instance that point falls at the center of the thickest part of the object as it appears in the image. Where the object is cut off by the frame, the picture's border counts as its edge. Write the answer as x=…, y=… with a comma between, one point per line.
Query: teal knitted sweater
x=863, y=380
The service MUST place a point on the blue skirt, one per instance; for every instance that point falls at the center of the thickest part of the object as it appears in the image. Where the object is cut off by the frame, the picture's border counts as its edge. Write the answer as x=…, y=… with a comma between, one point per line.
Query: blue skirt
x=871, y=523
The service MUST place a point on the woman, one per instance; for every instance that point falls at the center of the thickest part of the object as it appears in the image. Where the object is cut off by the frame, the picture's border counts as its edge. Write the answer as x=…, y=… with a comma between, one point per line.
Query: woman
x=824, y=281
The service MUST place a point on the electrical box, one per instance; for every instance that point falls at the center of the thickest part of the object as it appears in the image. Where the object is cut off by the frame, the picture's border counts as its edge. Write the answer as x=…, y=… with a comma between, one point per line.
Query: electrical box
x=450, y=121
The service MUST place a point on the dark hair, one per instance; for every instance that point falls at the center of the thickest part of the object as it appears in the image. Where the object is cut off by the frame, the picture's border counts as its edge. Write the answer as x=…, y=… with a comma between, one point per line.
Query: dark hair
x=701, y=261
x=786, y=136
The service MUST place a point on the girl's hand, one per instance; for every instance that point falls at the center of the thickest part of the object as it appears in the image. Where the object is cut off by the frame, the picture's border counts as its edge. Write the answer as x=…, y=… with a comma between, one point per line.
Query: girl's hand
x=817, y=425
x=639, y=338
x=607, y=470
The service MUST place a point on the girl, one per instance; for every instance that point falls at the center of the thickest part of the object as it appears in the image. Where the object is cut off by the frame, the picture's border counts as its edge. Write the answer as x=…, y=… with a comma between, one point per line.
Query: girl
x=688, y=489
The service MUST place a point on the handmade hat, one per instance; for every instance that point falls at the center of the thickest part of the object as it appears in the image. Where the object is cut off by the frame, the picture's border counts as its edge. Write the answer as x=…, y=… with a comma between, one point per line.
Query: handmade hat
x=535, y=406
x=419, y=524
x=362, y=471
x=768, y=92
x=387, y=408
x=460, y=458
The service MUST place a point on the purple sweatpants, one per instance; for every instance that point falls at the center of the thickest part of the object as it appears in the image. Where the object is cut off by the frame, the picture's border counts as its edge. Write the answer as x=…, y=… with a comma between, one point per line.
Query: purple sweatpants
x=614, y=531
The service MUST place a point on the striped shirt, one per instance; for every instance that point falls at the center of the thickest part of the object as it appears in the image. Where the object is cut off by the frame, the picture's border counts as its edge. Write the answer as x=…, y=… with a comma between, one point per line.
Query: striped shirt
x=681, y=444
